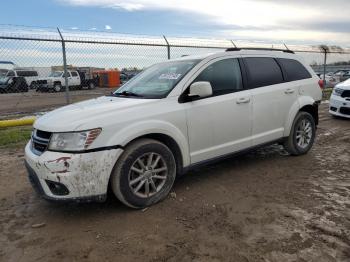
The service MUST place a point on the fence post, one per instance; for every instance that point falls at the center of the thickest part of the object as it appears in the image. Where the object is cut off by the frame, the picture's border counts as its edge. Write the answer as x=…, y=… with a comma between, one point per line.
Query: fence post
x=65, y=67
x=233, y=44
x=168, y=46
x=324, y=71
x=325, y=65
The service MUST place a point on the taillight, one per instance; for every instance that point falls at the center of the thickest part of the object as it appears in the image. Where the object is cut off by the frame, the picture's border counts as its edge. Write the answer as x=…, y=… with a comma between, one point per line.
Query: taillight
x=320, y=83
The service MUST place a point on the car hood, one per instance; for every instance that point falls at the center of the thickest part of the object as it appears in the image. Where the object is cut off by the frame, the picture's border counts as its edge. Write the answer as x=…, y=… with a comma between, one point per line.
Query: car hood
x=84, y=115
x=344, y=85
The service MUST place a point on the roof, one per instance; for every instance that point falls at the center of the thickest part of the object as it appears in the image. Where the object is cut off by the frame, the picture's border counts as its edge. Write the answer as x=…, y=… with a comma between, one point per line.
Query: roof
x=281, y=53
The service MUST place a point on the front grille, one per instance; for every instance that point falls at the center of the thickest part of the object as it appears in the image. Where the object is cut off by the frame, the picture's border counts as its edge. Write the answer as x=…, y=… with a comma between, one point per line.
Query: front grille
x=40, y=141
x=344, y=110
x=43, y=134
x=346, y=93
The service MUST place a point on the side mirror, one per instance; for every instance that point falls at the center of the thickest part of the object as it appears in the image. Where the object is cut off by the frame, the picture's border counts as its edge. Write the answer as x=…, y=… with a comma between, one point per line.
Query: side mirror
x=200, y=89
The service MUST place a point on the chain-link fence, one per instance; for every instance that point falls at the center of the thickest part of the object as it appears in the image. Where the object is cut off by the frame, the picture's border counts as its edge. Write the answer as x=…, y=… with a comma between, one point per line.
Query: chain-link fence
x=35, y=75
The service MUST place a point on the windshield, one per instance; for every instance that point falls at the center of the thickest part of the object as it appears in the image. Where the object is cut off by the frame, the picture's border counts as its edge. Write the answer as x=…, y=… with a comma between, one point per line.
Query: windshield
x=56, y=74
x=157, y=81
x=3, y=80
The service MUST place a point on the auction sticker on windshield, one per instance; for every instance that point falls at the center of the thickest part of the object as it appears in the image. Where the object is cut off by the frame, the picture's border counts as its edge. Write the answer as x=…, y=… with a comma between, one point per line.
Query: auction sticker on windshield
x=170, y=76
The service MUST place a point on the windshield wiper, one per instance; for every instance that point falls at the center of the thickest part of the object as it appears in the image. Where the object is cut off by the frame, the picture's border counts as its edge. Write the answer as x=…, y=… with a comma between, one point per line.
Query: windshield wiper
x=127, y=93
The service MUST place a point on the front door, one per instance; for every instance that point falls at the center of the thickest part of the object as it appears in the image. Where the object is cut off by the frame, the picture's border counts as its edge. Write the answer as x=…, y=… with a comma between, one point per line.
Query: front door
x=220, y=124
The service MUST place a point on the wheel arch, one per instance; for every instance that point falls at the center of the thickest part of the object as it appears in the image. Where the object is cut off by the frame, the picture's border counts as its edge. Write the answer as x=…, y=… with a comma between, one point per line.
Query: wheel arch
x=304, y=104
x=162, y=131
x=312, y=110
x=171, y=144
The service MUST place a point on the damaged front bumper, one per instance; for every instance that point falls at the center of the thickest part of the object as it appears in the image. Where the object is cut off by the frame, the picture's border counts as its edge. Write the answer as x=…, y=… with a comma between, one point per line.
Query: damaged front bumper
x=67, y=176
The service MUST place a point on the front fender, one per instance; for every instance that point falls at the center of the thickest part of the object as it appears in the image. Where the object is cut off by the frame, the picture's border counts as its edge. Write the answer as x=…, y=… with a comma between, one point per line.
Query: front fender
x=298, y=104
x=139, y=129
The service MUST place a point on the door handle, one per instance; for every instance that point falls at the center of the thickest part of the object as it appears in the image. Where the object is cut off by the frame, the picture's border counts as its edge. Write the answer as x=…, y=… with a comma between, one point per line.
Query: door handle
x=289, y=91
x=243, y=100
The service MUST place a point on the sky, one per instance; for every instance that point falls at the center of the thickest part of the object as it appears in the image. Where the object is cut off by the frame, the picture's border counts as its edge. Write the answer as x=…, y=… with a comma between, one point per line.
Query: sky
x=294, y=22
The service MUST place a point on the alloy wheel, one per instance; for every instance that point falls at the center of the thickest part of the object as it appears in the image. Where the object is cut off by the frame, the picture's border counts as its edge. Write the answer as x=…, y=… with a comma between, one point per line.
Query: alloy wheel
x=148, y=175
x=304, y=133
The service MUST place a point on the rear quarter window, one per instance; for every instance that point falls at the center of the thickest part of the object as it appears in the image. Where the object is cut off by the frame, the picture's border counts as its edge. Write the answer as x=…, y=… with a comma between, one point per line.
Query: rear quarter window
x=262, y=71
x=293, y=69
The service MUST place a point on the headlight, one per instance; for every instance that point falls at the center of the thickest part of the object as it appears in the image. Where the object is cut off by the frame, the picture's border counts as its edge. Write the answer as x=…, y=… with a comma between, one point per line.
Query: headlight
x=73, y=141
x=337, y=91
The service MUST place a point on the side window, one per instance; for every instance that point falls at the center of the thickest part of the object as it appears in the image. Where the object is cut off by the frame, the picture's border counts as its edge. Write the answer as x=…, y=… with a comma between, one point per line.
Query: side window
x=224, y=76
x=294, y=69
x=263, y=71
x=74, y=73
x=68, y=74
x=21, y=73
x=27, y=73
x=32, y=73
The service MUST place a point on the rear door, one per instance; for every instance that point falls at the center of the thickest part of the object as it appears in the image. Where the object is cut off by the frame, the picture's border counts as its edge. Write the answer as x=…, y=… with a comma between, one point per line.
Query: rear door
x=272, y=98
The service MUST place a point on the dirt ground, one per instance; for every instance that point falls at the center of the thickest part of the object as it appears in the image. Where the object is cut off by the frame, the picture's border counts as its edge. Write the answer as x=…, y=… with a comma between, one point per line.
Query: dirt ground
x=15, y=104
x=261, y=206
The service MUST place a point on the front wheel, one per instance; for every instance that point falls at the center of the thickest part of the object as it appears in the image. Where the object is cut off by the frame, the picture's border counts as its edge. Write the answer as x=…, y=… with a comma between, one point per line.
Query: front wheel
x=144, y=174
x=302, y=134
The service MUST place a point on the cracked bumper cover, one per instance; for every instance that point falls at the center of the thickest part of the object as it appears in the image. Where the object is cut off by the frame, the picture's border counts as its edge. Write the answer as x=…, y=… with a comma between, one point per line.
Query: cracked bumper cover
x=85, y=175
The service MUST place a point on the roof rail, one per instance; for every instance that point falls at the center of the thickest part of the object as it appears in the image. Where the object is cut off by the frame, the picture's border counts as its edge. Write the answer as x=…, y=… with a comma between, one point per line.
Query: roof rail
x=258, y=48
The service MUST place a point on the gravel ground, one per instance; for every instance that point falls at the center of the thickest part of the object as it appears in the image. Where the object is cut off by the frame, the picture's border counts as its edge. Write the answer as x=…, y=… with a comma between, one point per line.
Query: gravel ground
x=261, y=206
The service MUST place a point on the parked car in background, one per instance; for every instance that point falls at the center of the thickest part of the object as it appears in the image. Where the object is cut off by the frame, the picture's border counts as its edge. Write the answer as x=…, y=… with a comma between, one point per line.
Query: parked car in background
x=13, y=84
x=29, y=75
x=339, y=104
x=56, y=81
x=345, y=76
x=173, y=117
x=339, y=75
x=124, y=78
x=330, y=80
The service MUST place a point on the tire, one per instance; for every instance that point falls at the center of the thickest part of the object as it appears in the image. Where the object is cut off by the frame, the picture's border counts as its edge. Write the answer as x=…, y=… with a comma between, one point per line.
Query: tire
x=92, y=85
x=33, y=85
x=57, y=87
x=302, y=135
x=135, y=194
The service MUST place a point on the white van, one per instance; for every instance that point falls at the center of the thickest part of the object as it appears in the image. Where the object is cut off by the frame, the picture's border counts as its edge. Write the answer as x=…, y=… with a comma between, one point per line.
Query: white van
x=29, y=75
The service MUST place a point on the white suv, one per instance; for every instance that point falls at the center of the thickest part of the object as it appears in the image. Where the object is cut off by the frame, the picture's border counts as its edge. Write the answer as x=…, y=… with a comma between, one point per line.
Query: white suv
x=170, y=118
x=339, y=104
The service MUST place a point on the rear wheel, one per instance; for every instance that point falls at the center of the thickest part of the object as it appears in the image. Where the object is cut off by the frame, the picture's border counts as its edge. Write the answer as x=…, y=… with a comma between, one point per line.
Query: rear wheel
x=302, y=135
x=34, y=85
x=91, y=85
x=144, y=174
x=57, y=87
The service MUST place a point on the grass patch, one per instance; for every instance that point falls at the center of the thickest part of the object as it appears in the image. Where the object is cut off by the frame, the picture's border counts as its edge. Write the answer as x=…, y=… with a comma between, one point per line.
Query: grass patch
x=14, y=136
x=327, y=92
